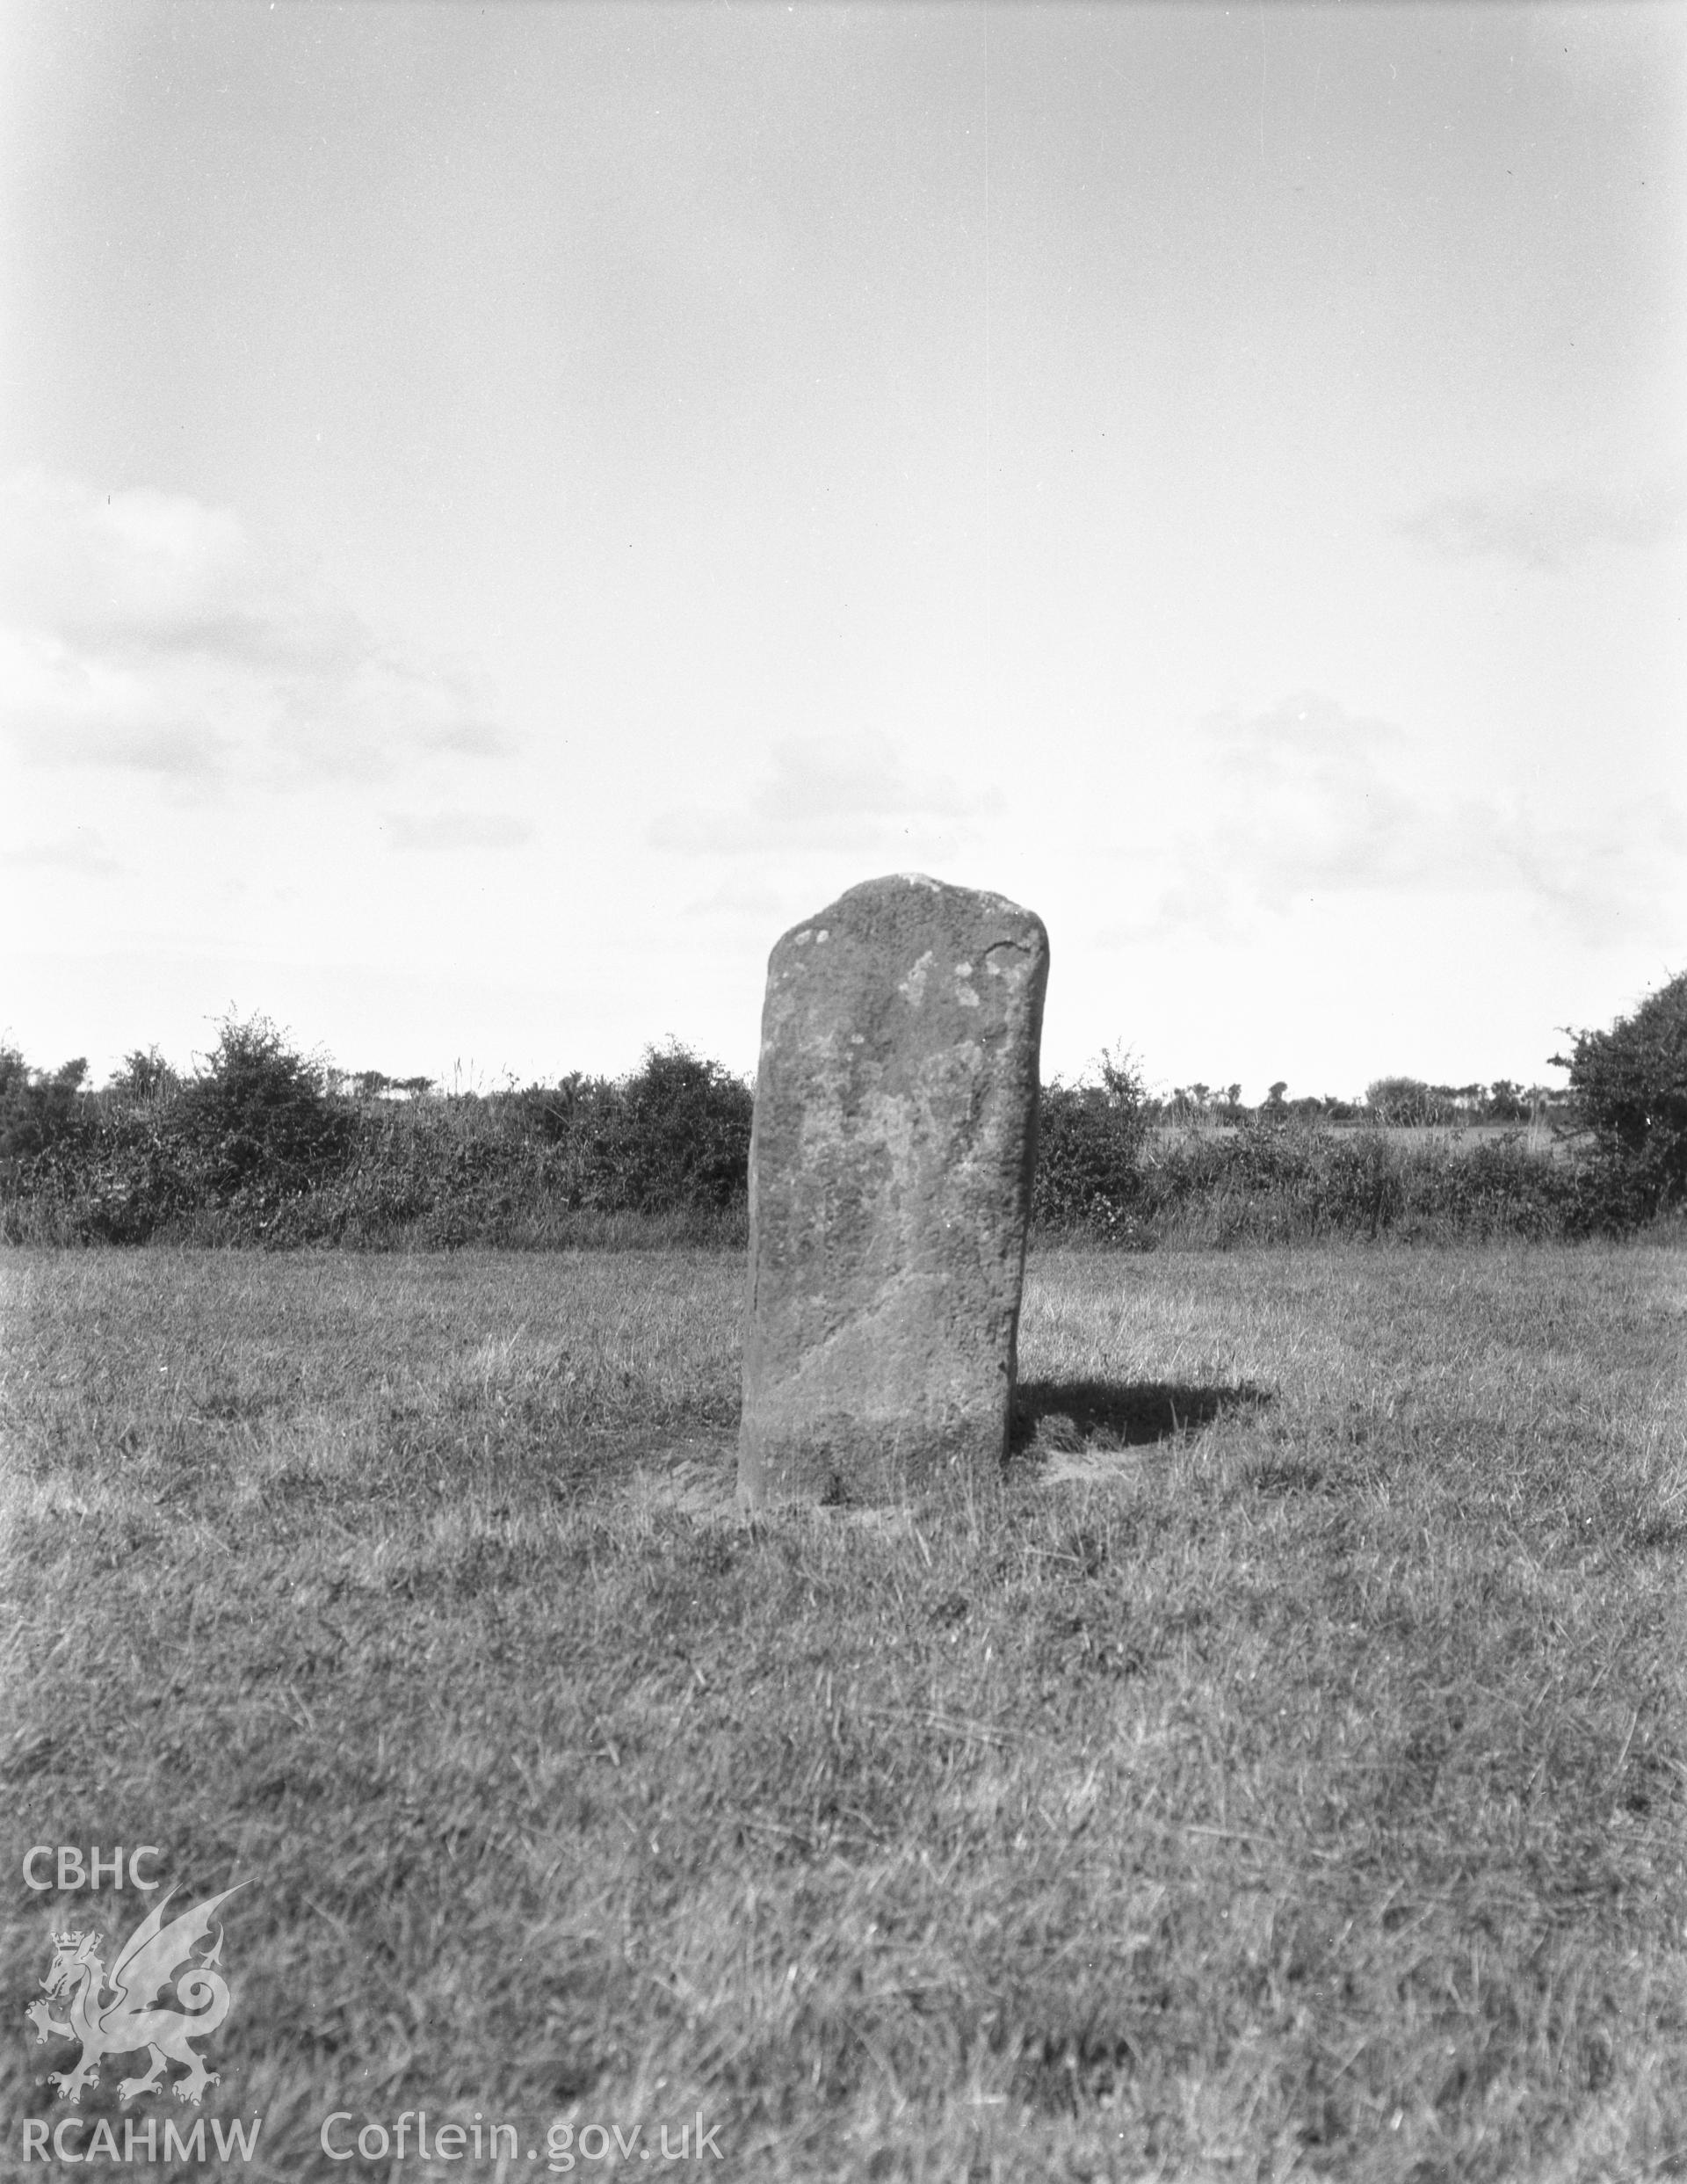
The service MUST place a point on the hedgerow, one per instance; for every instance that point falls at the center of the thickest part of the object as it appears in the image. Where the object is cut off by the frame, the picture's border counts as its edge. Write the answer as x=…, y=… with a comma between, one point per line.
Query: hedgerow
x=261, y=1146
x=264, y=1145
x=1297, y=1183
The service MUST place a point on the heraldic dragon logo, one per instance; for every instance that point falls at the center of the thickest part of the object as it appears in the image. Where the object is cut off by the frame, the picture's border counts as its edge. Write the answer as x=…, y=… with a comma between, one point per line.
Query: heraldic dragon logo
x=153, y=1956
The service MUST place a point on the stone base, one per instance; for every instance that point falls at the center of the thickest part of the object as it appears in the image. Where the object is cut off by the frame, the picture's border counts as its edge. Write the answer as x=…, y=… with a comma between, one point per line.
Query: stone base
x=842, y=1460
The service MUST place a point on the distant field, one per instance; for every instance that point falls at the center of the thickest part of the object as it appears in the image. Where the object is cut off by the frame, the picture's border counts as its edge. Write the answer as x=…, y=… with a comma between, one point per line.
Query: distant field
x=1284, y=1770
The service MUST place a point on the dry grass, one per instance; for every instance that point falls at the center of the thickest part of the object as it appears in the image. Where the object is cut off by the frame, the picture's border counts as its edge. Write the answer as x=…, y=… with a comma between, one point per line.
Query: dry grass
x=1282, y=1771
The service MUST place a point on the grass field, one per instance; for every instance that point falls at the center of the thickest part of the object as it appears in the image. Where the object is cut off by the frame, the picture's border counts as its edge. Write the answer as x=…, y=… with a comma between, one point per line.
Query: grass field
x=1282, y=1771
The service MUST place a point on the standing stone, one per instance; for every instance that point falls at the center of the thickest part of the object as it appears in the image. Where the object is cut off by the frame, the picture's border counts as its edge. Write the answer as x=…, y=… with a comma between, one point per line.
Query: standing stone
x=890, y=1171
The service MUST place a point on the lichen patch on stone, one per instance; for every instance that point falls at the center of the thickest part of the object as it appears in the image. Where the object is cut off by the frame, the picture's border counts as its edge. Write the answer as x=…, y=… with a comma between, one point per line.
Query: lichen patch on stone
x=912, y=987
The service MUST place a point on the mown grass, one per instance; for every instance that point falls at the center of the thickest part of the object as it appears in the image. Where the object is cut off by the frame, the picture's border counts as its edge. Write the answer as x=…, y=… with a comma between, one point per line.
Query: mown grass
x=1282, y=1770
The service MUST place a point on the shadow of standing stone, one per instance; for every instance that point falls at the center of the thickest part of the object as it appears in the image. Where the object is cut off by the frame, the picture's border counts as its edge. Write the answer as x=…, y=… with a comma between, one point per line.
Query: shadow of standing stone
x=890, y=1171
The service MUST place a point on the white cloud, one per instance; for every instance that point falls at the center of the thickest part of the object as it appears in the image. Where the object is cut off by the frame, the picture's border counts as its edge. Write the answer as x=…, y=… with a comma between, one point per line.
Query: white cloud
x=458, y=829
x=146, y=631
x=1548, y=526
x=81, y=851
x=1307, y=801
x=1615, y=875
x=824, y=792
x=756, y=908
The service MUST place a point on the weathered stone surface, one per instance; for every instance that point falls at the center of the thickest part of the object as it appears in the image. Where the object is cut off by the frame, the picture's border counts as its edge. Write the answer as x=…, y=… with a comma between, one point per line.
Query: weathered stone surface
x=890, y=1171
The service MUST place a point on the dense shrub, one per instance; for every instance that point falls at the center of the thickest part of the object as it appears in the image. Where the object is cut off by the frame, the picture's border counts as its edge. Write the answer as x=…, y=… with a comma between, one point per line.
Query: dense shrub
x=251, y=1131
x=260, y=1119
x=1630, y=1087
x=677, y=1136
x=1291, y=1182
x=1271, y=1179
x=123, y=1179
x=1506, y=1101
x=1408, y=1101
x=143, y=1077
x=1089, y=1154
x=38, y=1107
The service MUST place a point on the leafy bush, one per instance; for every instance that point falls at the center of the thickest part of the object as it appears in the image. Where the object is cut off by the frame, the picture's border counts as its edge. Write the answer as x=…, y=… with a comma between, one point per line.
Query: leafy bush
x=1275, y=1179
x=37, y=1108
x=259, y=1117
x=1089, y=1153
x=143, y=1076
x=1287, y=1182
x=1408, y=1100
x=1630, y=1087
x=122, y=1180
x=677, y=1137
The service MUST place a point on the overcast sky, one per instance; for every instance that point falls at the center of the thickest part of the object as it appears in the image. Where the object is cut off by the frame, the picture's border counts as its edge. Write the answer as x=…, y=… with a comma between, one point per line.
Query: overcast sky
x=508, y=508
